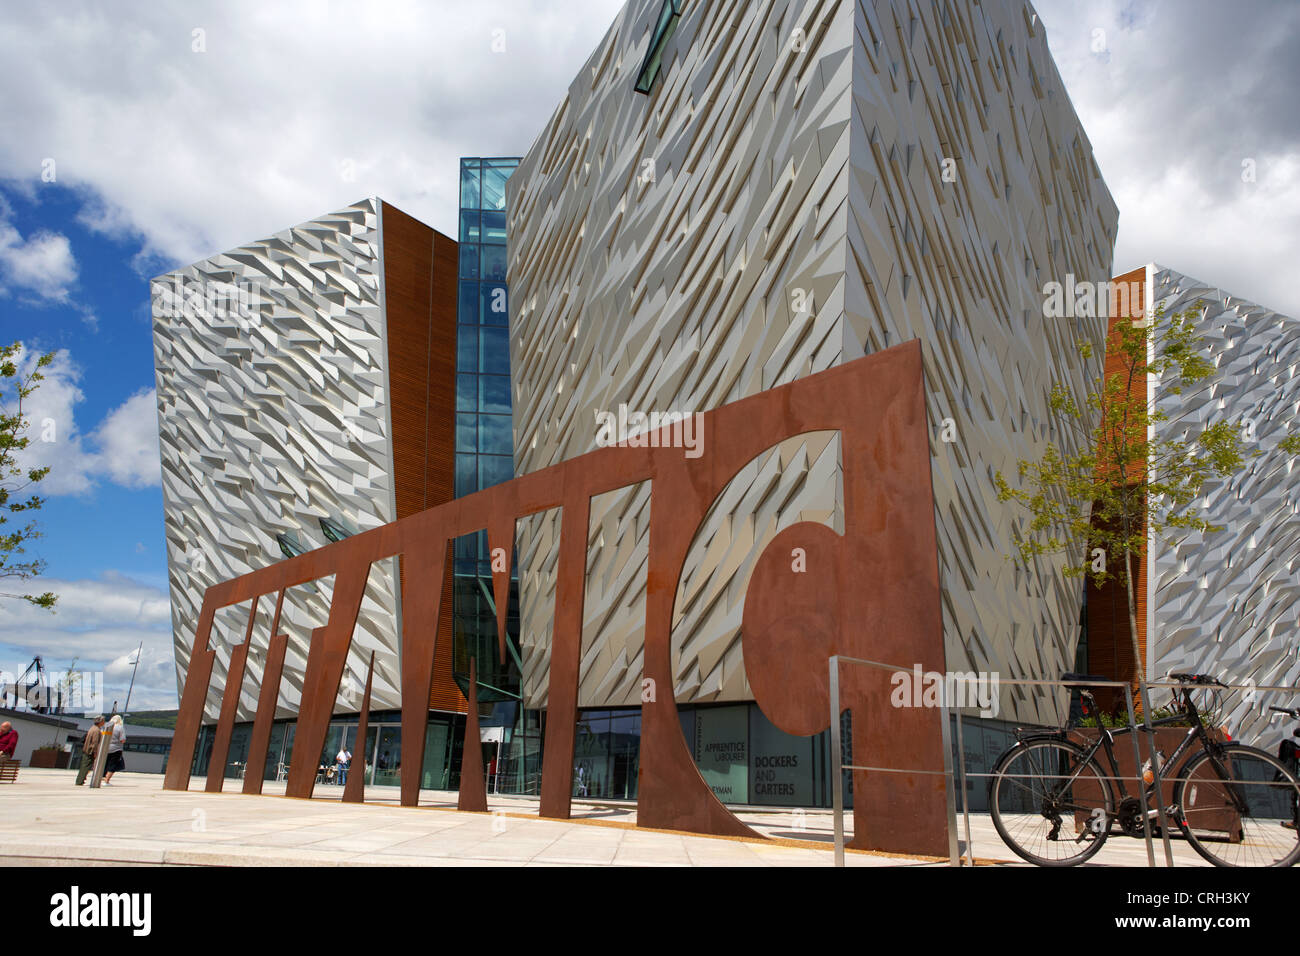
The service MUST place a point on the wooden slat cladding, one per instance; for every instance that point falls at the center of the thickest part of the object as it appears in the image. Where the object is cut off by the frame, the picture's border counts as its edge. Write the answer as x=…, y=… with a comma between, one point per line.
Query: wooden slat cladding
x=1110, y=646
x=420, y=298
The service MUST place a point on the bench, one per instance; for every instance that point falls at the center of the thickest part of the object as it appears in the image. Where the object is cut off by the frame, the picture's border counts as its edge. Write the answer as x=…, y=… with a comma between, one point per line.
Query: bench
x=9, y=770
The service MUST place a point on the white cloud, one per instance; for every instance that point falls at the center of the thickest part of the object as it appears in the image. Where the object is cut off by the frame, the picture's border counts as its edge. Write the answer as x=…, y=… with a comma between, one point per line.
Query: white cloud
x=1180, y=96
x=52, y=425
x=123, y=449
x=42, y=263
x=41, y=269
x=128, y=442
x=99, y=623
x=293, y=110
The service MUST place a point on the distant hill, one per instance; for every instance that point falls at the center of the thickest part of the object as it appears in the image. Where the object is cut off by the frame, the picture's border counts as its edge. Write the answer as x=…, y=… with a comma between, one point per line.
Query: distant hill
x=165, y=719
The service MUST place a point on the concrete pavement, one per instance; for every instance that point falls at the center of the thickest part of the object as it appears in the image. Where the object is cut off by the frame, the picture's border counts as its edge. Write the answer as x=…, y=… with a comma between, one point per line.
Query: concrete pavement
x=45, y=820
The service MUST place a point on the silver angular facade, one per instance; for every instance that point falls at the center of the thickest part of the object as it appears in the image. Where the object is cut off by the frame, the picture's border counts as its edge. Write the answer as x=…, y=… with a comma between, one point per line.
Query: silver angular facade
x=270, y=420
x=1226, y=603
x=807, y=182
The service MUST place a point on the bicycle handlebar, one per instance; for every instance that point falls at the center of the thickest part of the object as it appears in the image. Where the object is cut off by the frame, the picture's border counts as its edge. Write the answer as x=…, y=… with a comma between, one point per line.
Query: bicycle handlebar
x=1204, y=679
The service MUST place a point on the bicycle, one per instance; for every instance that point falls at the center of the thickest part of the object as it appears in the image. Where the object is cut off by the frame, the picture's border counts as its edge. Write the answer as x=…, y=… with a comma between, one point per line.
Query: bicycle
x=1053, y=805
x=1289, y=755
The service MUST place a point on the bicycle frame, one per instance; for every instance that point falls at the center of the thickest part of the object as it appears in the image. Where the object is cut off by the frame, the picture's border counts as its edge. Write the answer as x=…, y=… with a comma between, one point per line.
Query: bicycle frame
x=1105, y=741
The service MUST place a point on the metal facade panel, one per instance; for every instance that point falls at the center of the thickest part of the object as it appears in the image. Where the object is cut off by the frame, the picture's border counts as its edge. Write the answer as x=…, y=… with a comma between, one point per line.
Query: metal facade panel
x=777, y=205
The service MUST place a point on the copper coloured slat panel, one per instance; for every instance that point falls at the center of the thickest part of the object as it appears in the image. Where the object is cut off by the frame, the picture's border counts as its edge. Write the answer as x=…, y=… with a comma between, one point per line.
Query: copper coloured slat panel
x=189, y=717
x=473, y=786
x=420, y=294
x=354, y=791
x=326, y=658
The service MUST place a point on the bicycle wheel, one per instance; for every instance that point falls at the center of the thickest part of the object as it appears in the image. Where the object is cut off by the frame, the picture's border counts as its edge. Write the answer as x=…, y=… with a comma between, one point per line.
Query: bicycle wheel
x=1050, y=805
x=1232, y=808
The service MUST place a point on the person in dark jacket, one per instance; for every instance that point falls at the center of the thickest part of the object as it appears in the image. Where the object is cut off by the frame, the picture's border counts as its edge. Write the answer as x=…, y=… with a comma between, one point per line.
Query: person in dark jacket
x=90, y=747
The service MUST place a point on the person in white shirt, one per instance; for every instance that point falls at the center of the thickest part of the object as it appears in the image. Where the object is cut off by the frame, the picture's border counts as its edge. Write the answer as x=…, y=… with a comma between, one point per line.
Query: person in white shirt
x=116, y=740
x=342, y=760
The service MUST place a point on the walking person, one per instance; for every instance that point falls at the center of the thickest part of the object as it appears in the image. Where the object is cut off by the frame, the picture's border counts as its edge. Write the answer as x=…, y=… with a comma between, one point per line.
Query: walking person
x=90, y=747
x=116, y=740
x=341, y=760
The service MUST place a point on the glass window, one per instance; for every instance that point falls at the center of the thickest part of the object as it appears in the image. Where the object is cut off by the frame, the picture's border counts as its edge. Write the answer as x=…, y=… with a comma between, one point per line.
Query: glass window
x=494, y=393
x=494, y=187
x=467, y=348
x=388, y=757
x=495, y=356
x=780, y=765
x=466, y=437
x=469, y=226
x=494, y=227
x=496, y=304
x=465, y=389
x=469, y=261
x=466, y=479
x=467, y=311
x=495, y=436
x=469, y=180
x=624, y=754
x=494, y=263
x=722, y=750
x=436, y=736
x=274, y=768
x=664, y=28
x=591, y=756
x=467, y=547
x=494, y=469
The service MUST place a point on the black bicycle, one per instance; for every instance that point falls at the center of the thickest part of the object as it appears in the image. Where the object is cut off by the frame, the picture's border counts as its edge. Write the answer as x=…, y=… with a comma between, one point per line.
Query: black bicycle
x=1289, y=755
x=1054, y=805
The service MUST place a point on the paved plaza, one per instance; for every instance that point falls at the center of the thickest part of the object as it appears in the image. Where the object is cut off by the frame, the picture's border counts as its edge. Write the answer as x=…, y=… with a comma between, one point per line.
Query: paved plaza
x=46, y=820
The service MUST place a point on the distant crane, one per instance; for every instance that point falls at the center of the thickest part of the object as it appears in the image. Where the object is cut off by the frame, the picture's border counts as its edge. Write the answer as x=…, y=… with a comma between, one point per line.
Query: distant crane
x=38, y=680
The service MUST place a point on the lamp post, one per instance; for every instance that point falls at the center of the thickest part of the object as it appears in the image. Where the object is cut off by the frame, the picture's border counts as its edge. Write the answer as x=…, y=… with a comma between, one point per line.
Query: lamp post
x=126, y=708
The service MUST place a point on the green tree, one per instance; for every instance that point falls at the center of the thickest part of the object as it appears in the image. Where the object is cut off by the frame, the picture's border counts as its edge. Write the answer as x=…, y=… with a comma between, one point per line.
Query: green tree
x=16, y=496
x=1123, y=484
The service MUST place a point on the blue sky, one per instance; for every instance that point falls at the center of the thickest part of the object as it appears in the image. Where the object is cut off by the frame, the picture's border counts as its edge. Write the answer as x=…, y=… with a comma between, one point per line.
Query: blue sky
x=164, y=153
x=104, y=327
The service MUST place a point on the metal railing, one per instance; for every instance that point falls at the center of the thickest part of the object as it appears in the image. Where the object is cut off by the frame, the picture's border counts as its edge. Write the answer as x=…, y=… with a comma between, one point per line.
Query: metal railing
x=838, y=766
x=955, y=856
x=1137, y=763
x=960, y=775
